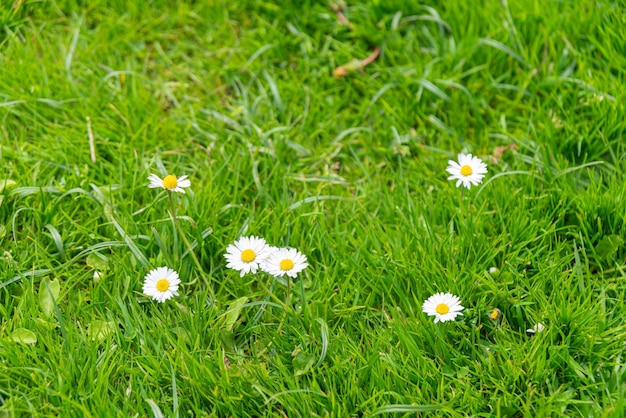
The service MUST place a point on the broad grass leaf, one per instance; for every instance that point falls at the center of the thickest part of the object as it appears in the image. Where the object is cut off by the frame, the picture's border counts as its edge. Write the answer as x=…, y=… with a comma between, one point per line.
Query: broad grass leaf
x=608, y=246
x=49, y=324
x=97, y=262
x=302, y=363
x=48, y=293
x=233, y=312
x=156, y=411
x=324, y=332
x=23, y=336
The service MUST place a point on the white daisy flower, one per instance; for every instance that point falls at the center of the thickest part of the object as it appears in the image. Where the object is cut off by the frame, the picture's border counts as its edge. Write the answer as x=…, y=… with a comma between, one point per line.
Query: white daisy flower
x=270, y=250
x=443, y=306
x=161, y=284
x=283, y=261
x=169, y=182
x=469, y=170
x=246, y=254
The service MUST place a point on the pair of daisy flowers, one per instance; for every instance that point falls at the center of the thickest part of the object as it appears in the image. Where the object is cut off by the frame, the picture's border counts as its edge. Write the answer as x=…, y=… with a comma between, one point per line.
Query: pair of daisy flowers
x=250, y=254
x=162, y=283
x=468, y=171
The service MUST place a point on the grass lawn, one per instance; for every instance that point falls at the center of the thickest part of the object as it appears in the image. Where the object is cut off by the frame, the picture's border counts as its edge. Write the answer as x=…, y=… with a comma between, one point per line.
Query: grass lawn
x=285, y=136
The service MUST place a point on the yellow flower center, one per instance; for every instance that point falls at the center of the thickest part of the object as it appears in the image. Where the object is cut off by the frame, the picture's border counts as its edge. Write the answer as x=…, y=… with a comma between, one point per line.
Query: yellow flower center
x=248, y=256
x=495, y=314
x=286, y=264
x=170, y=181
x=466, y=170
x=442, y=309
x=162, y=285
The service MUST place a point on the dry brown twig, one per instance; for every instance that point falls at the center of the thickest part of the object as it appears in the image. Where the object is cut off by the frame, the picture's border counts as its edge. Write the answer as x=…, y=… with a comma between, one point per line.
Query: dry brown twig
x=354, y=65
x=337, y=7
x=499, y=151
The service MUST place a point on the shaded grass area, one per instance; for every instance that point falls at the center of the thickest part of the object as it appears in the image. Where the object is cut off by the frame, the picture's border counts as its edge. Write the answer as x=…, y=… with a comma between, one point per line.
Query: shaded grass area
x=350, y=171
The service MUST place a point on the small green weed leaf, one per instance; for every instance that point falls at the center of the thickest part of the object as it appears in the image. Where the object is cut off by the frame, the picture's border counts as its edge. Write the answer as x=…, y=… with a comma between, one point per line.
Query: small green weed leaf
x=3, y=231
x=97, y=262
x=99, y=330
x=23, y=336
x=509, y=411
x=7, y=184
x=318, y=308
x=232, y=314
x=302, y=363
x=48, y=324
x=181, y=333
x=608, y=246
x=48, y=293
x=324, y=331
x=228, y=341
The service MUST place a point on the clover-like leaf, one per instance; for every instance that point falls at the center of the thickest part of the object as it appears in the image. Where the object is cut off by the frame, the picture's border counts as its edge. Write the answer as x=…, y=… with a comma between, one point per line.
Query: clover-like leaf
x=23, y=336
x=48, y=294
x=99, y=330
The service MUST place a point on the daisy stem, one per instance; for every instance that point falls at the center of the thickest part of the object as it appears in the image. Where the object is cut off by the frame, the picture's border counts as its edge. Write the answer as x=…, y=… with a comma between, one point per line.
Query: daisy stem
x=271, y=294
x=303, y=298
x=282, y=321
x=440, y=342
x=188, y=244
x=280, y=302
x=461, y=217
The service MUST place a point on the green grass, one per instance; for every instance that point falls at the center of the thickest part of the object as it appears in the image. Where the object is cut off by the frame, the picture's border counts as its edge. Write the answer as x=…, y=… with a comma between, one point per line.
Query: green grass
x=240, y=96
